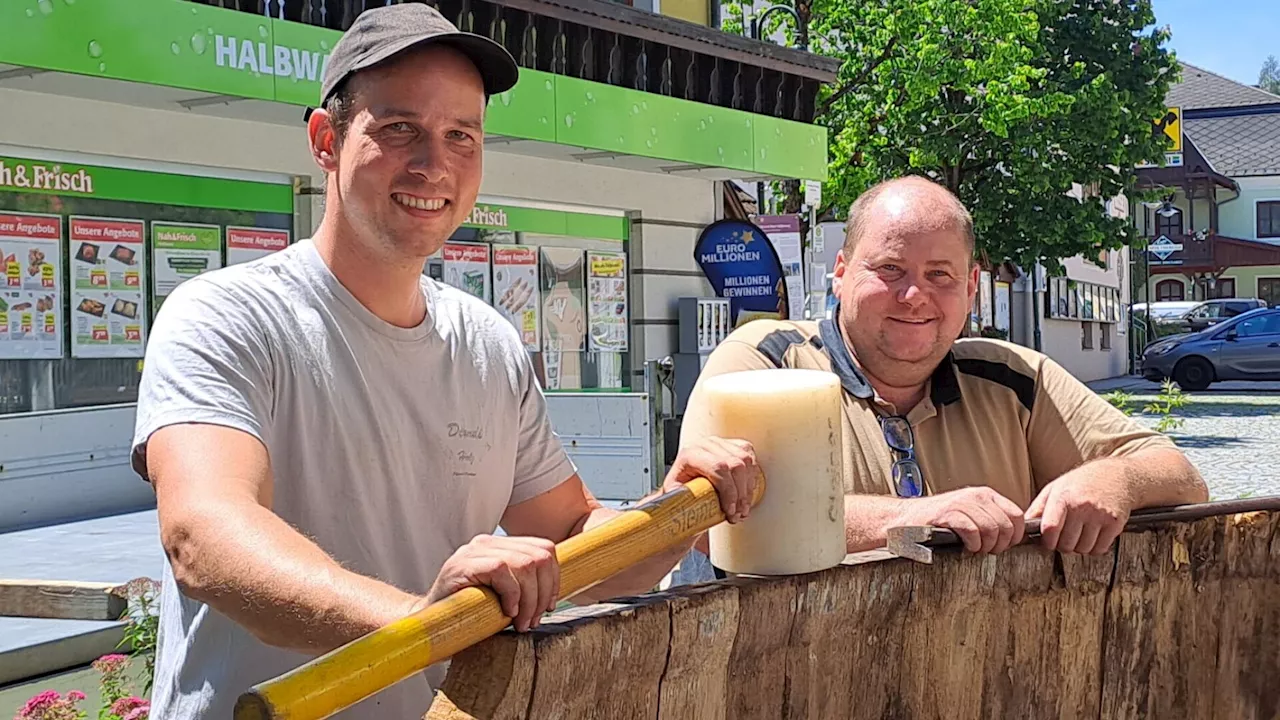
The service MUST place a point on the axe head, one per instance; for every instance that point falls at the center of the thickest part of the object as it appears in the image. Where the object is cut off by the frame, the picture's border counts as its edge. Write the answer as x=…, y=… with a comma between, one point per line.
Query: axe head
x=912, y=542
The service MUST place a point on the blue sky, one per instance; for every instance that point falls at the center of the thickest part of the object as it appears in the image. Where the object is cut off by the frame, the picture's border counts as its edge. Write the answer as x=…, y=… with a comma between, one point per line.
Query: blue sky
x=1229, y=37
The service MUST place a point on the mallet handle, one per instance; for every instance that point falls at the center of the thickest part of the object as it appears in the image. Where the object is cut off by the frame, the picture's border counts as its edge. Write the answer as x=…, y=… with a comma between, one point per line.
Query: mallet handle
x=384, y=657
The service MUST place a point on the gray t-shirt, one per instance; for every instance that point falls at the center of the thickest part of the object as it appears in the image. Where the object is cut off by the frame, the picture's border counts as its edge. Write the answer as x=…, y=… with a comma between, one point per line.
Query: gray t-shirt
x=390, y=447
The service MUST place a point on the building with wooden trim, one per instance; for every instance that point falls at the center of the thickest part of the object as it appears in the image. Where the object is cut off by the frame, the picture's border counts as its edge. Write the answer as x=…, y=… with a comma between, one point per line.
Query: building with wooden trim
x=1216, y=231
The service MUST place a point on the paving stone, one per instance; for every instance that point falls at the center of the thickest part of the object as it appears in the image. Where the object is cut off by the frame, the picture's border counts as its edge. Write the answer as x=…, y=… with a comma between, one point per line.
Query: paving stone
x=1232, y=437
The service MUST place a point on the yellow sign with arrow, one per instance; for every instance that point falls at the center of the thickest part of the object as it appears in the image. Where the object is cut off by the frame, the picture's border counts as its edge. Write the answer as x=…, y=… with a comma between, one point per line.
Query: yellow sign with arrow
x=1171, y=124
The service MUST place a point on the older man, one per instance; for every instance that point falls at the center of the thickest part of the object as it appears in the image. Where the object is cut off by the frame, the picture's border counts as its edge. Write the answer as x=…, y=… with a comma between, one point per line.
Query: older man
x=332, y=437
x=974, y=435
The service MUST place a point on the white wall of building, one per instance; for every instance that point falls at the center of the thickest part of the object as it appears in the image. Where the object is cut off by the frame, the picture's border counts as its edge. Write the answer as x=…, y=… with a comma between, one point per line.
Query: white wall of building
x=1063, y=340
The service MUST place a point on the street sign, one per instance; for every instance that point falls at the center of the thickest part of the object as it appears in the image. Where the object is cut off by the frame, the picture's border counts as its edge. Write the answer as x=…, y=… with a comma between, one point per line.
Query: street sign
x=1163, y=247
x=1171, y=124
x=812, y=193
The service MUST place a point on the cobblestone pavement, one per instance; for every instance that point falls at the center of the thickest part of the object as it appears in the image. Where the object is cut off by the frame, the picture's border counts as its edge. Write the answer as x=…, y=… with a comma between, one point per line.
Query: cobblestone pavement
x=1232, y=435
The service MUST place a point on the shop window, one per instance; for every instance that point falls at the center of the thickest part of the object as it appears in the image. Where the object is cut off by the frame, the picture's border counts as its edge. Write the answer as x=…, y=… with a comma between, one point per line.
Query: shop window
x=83, y=280
x=1169, y=290
x=1104, y=330
x=568, y=297
x=1224, y=288
x=1086, y=336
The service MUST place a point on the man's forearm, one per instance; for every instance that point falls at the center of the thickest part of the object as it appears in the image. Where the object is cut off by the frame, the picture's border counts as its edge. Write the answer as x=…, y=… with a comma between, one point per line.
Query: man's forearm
x=248, y=564
x=867, y=519
x=1158, y=477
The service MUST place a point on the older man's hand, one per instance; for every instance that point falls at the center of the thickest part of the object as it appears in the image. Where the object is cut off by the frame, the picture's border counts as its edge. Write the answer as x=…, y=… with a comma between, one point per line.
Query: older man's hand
x=1083, y=511
x=985, y=520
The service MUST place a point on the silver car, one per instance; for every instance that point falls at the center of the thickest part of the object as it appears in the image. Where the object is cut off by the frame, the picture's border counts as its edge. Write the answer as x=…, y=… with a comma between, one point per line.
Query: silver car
x=1245, y=347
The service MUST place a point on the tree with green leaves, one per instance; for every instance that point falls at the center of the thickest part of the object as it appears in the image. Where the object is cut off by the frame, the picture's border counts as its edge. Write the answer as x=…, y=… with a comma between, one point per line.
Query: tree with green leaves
x=1269, y=75
x=1009, y=103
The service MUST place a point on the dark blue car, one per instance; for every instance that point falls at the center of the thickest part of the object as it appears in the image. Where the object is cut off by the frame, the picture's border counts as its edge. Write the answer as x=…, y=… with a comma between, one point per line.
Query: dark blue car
x=1245, y=347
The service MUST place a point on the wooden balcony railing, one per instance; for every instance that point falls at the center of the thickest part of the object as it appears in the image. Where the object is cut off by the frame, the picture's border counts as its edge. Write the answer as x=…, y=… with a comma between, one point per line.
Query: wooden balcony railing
x=612, y=43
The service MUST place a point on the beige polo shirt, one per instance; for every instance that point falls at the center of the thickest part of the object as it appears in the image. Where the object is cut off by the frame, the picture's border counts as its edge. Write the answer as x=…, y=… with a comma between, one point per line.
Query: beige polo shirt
x=995, y=413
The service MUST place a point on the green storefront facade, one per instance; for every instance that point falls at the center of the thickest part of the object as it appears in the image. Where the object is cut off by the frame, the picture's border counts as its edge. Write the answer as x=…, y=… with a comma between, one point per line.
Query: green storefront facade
x=147, y=141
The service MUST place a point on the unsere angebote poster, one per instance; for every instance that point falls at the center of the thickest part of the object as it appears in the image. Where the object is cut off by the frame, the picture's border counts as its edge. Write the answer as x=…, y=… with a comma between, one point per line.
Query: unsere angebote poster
x=515, y=290
x=108, y=274
x=246, y=243
x=183, y=251
x=31, y=288
x=466, y=267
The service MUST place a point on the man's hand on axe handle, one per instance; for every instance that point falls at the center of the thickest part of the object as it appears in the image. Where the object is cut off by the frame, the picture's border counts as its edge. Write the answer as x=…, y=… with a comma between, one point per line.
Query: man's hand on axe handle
x=985, y=520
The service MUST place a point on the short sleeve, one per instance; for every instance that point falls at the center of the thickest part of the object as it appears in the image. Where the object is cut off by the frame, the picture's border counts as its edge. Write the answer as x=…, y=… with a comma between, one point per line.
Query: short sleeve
x=207, y=362
x=1071, y=425
x=732, y=355
x=541, y=461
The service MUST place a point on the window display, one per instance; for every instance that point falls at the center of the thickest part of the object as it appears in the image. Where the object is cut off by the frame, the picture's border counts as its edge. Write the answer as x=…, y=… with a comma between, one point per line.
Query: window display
x=109, y=269
x=608, y=292
x=515, y=287
x=566, y=295
x=245, y=244
x=73, y=329
x=31, y=297
x=183, y=251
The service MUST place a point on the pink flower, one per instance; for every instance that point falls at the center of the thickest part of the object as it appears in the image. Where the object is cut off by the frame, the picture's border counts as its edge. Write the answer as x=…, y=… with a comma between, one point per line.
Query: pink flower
x=110, y=663
x=126, y=705
x=138, y=713
x=49, y=705
x=37, y=705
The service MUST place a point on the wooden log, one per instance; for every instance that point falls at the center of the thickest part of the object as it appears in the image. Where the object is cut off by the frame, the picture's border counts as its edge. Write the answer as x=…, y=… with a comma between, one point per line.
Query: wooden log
x=607, y=667
x=1179, y=620
x=704, y=625
x=61, y=600
x=501, y=693
x=1248, y=654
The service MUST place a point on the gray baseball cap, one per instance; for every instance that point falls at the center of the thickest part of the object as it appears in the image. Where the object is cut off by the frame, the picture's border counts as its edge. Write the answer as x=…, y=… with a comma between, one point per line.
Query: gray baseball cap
x=380, y=33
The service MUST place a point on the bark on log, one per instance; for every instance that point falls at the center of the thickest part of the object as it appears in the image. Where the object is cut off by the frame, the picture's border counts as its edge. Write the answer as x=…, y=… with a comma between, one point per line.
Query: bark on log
x=1182, y=620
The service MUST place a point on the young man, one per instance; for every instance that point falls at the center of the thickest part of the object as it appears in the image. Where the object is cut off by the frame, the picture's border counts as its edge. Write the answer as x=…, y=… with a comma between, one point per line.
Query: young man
x=332, y=436
x=974, y=435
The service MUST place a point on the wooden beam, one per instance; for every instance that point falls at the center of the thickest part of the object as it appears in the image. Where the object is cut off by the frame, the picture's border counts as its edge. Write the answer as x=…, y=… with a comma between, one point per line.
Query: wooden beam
x=623, y=20
x=60, y=599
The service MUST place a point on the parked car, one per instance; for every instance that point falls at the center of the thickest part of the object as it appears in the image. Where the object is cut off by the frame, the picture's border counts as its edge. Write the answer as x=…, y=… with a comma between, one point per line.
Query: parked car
x=1244, y=347
x=1212, y=312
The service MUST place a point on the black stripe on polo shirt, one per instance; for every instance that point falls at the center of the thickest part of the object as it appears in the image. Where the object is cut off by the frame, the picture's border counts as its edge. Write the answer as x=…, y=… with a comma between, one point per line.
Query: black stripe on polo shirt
x=776, y=344
x=1022, y=385
x=945, y=388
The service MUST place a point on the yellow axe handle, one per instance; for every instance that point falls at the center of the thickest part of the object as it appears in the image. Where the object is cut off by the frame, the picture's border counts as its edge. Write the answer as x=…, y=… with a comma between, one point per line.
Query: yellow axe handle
x=384, y=657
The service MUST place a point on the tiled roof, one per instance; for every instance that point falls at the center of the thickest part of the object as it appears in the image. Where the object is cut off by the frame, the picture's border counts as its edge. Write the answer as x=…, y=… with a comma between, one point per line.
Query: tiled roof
x=1238, y=146
x=1199, y=88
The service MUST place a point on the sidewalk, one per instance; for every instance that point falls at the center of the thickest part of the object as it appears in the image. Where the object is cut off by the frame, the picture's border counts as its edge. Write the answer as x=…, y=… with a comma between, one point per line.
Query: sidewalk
x=109, y=549
x=1123, y=382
